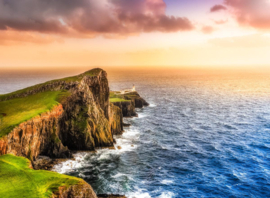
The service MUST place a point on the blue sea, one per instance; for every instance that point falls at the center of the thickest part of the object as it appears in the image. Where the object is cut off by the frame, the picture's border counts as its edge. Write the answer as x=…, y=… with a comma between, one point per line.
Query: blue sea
x=205, y=134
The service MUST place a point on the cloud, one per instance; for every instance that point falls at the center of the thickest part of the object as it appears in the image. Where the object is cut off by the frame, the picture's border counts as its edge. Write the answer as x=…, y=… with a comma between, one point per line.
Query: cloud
x=207, y=29
x=217, y=8
x=254, y=13
x=89, y=17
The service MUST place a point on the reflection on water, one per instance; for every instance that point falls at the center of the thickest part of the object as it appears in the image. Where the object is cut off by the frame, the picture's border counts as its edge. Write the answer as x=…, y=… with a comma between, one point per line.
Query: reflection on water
x=205, y=134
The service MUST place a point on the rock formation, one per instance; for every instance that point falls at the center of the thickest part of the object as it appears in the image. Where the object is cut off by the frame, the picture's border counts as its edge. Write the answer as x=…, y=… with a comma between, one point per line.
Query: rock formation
x=82, y=190
x=131, y=101
x=80, y=122
x=84, y=120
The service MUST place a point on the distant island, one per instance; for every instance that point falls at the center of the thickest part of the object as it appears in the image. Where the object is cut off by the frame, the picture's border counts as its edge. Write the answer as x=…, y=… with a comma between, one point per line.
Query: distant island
x=47, y=121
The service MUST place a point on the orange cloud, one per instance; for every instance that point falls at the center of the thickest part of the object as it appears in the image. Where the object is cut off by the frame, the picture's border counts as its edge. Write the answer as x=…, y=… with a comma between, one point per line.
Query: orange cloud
x=89, y=17
x=217, y=8
x=254, y=13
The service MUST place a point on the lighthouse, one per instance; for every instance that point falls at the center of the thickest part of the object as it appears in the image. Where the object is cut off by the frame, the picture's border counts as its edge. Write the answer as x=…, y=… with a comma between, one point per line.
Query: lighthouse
x=133, y=88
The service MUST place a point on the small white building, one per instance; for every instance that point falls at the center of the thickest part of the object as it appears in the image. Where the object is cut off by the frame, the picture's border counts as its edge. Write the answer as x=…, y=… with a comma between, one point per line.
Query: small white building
x=128, y=90
x=133, y=88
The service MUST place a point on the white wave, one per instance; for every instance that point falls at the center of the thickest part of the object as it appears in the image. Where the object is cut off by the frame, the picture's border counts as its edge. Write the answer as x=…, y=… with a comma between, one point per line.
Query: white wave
x=166, y=195
x=124, y=143
x=164, y=147
x=69, y=165
x=105, y=155
x=152, y=105
x=125, y=147
x=139, y=195
x=131, y=133
x=240, y=176
x=119, y=175
x=166, y=181
x=142, y=115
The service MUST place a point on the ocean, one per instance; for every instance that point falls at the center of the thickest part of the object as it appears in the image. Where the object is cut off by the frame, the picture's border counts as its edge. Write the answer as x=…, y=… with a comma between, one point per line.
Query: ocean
x=205, y=134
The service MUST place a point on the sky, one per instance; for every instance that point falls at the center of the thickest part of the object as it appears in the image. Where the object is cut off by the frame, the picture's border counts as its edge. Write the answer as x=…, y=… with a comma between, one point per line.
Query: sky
x=72, y=33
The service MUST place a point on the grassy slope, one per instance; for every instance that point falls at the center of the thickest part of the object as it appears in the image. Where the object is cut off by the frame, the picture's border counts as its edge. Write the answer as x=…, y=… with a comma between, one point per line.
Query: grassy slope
x=93, y=72
x=18, y=180
x=116, y=97
x=18, y=110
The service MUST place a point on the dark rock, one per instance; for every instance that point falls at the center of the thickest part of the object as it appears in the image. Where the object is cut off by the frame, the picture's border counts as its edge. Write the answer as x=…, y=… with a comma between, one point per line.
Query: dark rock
x=127, y=107
x=126, y=125
x=116, y=119
x=139, y=102
x=42, y=162
x=81, y=122
x=134, y=100
x=81, y=190
x=84, y=121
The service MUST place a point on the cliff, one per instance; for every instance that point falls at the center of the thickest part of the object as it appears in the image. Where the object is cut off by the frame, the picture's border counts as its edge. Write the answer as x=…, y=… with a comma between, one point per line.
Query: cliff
x=116, y=119
x=18, y=179
x=79, y=120
x=127, y=102
x=53, y=118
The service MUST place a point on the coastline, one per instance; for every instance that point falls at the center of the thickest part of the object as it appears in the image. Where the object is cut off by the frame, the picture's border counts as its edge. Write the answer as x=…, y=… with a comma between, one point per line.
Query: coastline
x=84, y=116
x=67, y=166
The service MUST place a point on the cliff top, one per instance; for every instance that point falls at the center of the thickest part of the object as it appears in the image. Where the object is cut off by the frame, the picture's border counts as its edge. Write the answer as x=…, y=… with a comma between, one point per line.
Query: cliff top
x=116, y=96
x=19, y=180
x=18, y=110
x=91, y=73
x=22, y=105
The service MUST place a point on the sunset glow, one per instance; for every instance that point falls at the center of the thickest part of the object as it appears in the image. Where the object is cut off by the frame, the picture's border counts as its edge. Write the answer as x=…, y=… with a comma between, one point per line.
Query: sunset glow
x=134, y=98
x=132, y=33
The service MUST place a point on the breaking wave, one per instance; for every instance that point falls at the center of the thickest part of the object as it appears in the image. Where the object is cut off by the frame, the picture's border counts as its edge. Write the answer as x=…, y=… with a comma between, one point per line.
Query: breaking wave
x=200, y=137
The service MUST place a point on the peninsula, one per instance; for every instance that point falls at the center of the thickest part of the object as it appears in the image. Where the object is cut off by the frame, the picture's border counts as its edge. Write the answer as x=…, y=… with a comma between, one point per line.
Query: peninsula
x=53, y=119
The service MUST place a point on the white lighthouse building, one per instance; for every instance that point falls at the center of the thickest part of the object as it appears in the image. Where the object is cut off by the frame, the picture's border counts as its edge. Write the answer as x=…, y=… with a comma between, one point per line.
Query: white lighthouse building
x=128, y=90
x=133, y=88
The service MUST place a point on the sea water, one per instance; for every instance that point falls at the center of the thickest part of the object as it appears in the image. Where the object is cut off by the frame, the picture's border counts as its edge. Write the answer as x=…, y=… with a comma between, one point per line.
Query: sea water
x=205, y=134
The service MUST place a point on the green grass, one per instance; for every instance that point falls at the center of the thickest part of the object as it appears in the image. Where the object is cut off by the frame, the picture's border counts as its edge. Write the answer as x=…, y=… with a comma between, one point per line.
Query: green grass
x=117, y=97
x=18, y=180
x=21, y=109
x=91, y=73
x=18, y=110
x=118, y=100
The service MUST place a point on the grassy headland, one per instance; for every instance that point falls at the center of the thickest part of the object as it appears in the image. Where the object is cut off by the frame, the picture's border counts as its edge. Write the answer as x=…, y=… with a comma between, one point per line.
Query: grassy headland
x=115, y=96
x=18, y=180
x=93, y=72
x=18, y=110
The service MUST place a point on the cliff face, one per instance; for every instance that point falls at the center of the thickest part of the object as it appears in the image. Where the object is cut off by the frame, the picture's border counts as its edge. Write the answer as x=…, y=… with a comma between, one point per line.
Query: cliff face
x=85, y=123
x=127, y=107
x=82, y=190
x=38, y=135
x=133, y=100
x=81, y=122
x=116, y=119
x=137, y=100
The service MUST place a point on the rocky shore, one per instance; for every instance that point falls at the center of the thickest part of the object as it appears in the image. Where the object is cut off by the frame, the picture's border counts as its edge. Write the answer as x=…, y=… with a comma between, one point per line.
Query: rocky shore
x=85, y=119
